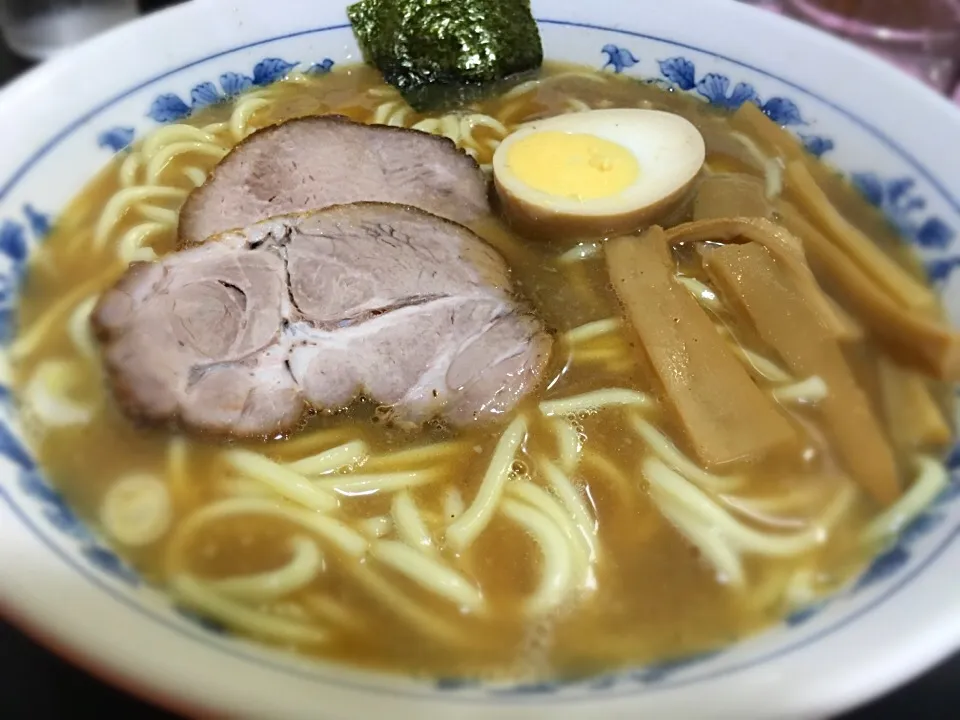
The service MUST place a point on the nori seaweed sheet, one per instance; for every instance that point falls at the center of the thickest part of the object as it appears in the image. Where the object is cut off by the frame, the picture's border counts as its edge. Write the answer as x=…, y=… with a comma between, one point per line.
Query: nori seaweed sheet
x=441, y=53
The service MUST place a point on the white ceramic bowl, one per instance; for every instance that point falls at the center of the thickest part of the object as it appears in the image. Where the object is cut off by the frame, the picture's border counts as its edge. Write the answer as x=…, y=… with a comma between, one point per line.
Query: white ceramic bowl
x=60, y=123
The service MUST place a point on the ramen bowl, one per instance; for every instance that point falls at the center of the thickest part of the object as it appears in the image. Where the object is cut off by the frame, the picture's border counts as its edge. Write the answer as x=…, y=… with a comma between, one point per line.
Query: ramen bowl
x=64, y=584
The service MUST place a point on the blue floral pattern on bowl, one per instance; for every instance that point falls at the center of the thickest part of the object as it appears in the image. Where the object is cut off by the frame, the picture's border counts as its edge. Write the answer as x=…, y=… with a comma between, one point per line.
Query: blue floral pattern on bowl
x=680, y=73
x=618, y=58
x=170, y=107
x=15, y=240
x=715, y=88
x=58, y=514
x=897, y=198
x=116, y=139
x=900, y=203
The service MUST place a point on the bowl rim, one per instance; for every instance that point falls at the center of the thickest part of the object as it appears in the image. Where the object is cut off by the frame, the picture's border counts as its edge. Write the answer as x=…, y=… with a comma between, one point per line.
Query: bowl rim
x=113, y=670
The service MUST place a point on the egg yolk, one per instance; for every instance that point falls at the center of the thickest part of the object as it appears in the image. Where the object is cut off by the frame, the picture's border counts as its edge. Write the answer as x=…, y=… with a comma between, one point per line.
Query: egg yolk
x=572, y=165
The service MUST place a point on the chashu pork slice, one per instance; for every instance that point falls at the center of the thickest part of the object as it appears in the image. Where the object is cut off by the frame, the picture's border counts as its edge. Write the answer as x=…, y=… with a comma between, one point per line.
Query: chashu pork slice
x=242, y=334
x=316, y=162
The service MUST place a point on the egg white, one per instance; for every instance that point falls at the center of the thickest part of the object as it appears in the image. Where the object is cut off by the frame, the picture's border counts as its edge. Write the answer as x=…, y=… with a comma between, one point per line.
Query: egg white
x=668, y=148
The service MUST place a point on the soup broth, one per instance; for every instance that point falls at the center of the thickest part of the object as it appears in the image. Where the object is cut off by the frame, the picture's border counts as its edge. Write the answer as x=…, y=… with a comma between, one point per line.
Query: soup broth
x=571, y=565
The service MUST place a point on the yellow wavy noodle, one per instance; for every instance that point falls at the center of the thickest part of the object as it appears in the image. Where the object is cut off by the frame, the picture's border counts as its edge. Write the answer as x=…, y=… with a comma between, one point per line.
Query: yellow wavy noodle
x=514, y=549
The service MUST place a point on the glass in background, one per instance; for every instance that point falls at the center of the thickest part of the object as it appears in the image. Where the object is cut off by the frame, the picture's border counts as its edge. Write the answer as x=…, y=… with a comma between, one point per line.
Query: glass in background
x=37, y=29
x=920, y=36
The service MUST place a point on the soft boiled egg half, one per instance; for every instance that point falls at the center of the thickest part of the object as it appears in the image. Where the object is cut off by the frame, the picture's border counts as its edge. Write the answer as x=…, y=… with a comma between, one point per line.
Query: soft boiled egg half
x=596, y=173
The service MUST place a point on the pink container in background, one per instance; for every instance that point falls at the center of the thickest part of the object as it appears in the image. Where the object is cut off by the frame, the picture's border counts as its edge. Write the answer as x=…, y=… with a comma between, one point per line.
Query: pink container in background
x=921, y=36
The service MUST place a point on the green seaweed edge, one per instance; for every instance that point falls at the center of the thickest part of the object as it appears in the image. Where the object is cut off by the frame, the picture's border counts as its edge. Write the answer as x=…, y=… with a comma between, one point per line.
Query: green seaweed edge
x=444, y=53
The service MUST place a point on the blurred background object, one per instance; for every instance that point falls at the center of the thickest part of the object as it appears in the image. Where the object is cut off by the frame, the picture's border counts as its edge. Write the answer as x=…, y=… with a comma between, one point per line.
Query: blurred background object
x=920, y=36
x=37, y=29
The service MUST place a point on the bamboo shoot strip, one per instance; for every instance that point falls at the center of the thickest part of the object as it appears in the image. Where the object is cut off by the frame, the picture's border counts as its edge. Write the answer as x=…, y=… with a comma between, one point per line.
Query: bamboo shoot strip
x=780, y=243
x=914, y=419
x=765, y=295
x=930, y=346
x=881, y=268
x=725, y=416
x=731, y=195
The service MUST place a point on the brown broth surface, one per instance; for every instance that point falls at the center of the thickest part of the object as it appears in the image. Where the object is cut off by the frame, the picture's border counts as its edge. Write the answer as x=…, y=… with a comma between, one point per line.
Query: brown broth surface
x=655, y=597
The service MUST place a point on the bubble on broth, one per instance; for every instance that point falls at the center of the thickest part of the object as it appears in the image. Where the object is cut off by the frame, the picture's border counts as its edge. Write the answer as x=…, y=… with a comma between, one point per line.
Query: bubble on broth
x=625, y=567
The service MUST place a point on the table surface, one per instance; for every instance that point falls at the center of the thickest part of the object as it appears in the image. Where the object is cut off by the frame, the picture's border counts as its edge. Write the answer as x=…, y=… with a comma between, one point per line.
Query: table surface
x=36, y=683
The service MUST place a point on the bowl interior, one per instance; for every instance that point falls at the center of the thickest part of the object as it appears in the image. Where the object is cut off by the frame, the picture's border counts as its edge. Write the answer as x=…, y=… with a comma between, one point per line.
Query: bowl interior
x=64, y=121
